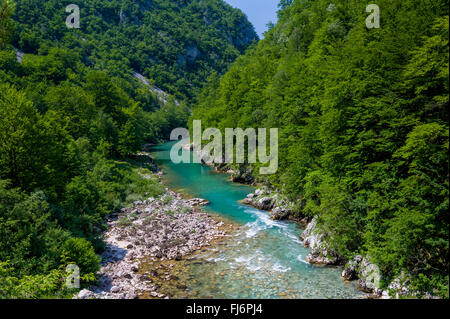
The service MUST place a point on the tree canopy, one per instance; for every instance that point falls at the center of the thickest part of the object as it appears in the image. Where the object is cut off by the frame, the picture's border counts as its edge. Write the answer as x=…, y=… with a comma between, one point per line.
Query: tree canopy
x=176, y=44
x=72, y=115
x=363, y=120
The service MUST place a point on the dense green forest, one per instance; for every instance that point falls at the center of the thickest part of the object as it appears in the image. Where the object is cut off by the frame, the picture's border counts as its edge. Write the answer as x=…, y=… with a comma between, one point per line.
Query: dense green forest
x=72, y=114
x=363, y=120
x=176, y=43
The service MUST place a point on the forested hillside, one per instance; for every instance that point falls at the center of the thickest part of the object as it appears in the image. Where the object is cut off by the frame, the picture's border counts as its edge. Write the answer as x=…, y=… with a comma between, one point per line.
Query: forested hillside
x=176, y=43
x=364, y=131
x=72, y=114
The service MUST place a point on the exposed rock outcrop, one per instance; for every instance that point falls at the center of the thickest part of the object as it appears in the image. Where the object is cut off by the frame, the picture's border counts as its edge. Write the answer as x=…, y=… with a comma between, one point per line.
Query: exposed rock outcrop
x=313, y=238
x=162, y=95
x=369, y=279
x=243, y=176
x=265, y=203
x=19, y=56
x=351, y=269
x=278, y=206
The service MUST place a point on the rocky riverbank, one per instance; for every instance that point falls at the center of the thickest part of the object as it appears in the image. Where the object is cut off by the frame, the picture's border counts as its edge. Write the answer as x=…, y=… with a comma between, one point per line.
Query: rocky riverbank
x=162, y=229
x=359, y=268
x=280, y=208
x=369, y=278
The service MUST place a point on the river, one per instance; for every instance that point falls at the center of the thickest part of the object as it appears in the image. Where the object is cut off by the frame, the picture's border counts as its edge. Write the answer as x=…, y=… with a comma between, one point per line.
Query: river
x=261, y=259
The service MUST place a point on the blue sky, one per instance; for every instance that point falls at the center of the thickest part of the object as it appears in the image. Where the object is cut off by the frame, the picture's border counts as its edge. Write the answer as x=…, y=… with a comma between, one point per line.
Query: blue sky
x=259, y=12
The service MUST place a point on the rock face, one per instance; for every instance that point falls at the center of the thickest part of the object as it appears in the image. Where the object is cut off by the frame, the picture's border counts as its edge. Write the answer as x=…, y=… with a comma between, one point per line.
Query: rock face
x=320, y=253
x=168, y=228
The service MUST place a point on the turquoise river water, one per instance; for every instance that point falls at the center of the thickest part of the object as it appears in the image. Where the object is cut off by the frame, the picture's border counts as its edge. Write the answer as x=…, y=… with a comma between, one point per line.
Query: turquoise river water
x=262, y=259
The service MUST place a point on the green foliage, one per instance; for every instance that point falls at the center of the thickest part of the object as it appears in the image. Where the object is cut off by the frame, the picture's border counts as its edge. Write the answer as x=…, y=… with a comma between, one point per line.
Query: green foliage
x=72, y=106
x=175, y=43
x=58, y=136
x=20, y=123
x=333, y=206
x=80, y=252
x=7, y=8
x=363, y=123
x=25, y=223
x=29, y=287
x=72, y=114
x=124, y=222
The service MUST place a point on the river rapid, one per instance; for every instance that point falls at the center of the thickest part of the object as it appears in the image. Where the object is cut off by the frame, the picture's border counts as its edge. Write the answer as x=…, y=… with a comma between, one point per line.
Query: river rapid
x=262, y=258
